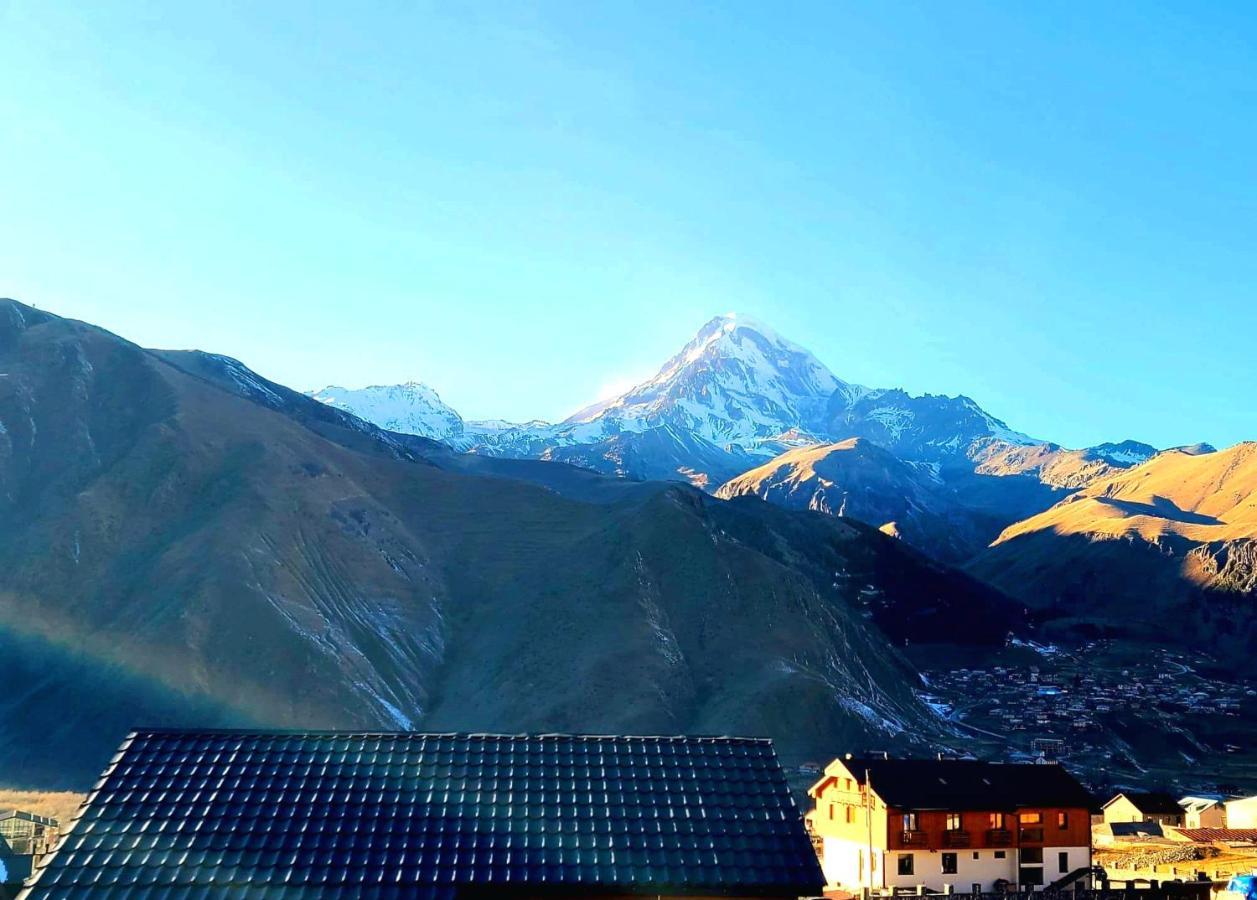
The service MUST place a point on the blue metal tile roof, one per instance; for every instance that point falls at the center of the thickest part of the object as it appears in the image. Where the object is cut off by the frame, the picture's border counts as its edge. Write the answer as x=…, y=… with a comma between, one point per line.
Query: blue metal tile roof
x=199, y=814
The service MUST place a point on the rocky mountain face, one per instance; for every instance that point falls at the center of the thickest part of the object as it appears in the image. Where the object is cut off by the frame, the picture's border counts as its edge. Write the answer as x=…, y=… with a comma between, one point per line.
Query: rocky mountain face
x=856, y=478
x=186, y=543
x=1167, y=546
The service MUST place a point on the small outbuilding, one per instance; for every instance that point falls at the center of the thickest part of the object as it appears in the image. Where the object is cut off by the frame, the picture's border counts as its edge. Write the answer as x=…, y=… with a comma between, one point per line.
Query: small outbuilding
x=24, y=839
x=1149, y=806
x=312, y=815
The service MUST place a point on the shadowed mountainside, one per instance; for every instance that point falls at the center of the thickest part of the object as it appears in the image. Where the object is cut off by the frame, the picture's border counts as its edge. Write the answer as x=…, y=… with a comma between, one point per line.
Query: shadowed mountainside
x=187, y=543
x=857, y=479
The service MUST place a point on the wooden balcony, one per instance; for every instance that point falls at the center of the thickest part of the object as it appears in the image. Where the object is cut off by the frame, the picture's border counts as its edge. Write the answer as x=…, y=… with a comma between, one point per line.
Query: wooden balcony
x=955, y=839
x=912, y=838
x=999, y=837
x=1032, y=835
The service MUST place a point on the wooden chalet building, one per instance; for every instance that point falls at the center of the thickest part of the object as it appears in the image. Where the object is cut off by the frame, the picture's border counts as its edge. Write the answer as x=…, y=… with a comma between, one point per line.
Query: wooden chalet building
x=887, y=824
x=212, y=815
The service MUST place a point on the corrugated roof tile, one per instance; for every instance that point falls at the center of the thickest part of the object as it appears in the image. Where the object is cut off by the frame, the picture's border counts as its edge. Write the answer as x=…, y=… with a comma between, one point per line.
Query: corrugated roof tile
x=183, y=813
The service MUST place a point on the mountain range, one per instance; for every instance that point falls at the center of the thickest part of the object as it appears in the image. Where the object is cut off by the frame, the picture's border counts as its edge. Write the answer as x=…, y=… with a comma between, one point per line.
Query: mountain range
x=742, y=411
x=188, y=543
x=739, y=397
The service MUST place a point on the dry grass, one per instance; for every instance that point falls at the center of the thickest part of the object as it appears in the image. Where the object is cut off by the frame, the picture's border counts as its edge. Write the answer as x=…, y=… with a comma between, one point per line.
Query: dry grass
x=59, y=805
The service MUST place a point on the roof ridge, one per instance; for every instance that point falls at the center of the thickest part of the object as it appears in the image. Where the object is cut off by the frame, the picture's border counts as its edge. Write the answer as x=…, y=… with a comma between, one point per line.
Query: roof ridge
x=476, y=735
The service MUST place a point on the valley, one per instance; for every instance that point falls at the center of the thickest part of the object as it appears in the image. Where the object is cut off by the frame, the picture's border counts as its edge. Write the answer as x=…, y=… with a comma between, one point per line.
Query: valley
x=1119, y=713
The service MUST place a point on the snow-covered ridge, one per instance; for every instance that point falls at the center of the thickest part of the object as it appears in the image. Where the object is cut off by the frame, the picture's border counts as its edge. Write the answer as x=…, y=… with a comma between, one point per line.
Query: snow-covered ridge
x=738, y=390
x=410, y=408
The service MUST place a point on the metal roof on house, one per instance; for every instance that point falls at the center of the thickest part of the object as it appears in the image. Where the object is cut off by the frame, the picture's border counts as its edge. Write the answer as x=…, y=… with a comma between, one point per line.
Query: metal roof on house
x=967, y=784
x=1219, y=835
x=208, y=814
x=1152, y=803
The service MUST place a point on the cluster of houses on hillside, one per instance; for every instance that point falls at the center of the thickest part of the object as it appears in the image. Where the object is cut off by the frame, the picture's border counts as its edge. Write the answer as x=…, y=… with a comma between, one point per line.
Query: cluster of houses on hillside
x=208, y=814
x=1071, y=698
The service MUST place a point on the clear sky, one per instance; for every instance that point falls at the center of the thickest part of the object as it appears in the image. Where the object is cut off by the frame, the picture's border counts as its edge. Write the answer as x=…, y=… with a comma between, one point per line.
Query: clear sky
x=1050, y=207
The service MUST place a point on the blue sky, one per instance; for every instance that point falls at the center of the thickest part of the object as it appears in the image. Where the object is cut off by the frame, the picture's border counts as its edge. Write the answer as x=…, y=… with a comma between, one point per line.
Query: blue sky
x=1051, y=208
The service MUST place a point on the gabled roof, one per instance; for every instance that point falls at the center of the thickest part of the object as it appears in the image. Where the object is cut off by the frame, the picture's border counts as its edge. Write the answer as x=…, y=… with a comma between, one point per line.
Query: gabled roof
x=1197, y=803
x=1151, y=803
x=328, y=814
x=967, y=784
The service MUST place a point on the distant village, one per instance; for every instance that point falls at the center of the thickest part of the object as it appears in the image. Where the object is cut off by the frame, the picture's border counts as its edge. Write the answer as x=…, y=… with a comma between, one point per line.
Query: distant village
x=1065, y=706
x=224, y=814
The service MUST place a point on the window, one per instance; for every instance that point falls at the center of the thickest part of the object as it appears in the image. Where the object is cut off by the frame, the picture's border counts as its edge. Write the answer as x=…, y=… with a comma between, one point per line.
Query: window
x=996, y=821
x=1062, y=862
x=905, y=864
x=910, y=823
x=831, y=811
x=949, y=863
x=1032, y=856
x=850, y=814
x=977, y=855
x=953, y=821
x=1062, y=820
x=1001, y=854
x=848, y=784
x=1031, y=818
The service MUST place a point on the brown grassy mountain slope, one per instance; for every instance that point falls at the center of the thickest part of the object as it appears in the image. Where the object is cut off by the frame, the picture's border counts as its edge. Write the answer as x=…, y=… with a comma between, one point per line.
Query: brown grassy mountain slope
x=1054, y=466
x=1165, y=549
x=183, y=542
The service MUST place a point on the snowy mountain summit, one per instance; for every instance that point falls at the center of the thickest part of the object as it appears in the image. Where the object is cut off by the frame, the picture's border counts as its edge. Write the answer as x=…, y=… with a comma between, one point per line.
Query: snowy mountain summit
x=737, y=394
x=736, y=382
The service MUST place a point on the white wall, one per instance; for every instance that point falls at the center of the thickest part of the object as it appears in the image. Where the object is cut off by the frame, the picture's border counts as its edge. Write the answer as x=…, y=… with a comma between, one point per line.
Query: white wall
x=985, y=870
x=928, y=869
x=1241, y=813
x=840, y=861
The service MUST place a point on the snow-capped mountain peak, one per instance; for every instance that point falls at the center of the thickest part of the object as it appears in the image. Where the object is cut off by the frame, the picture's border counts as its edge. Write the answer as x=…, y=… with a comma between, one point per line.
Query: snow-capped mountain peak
x=410, y=408
x=735, y=382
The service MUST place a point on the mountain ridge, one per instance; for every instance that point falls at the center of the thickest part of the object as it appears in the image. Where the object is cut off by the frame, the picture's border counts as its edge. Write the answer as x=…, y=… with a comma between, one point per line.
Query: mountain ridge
x=1172, y=540
x=192, y=544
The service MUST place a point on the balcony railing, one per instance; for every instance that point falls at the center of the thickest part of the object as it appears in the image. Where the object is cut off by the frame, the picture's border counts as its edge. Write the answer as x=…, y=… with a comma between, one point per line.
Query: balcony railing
x=955, y=839
x=999, y=837
x=1032, y=835
x=912, y=838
